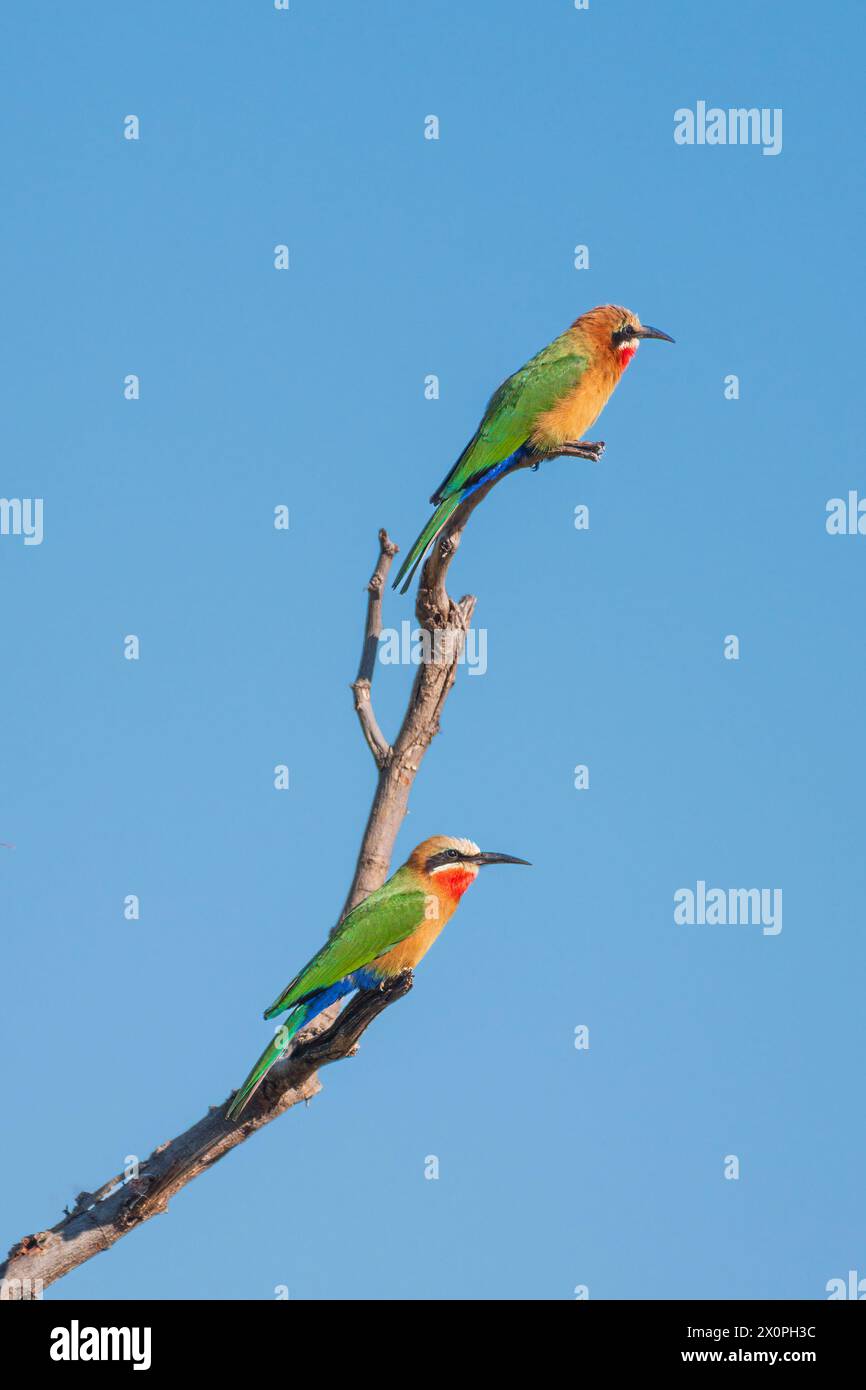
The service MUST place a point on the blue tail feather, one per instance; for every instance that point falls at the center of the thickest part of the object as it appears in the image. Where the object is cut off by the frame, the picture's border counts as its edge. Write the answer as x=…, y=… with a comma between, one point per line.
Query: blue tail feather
x=504, y=466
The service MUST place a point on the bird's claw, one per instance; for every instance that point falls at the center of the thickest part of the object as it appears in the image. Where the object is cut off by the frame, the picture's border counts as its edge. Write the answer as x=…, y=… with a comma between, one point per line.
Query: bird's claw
x=587, y=449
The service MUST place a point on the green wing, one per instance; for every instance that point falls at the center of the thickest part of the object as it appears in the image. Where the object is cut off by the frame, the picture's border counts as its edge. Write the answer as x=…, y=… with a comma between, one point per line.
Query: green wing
x=513, y=410
x=370, y=929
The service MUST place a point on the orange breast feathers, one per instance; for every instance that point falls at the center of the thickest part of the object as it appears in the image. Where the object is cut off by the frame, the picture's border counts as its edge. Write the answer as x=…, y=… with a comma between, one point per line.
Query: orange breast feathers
x=570, y=418
x=406, y=954
x=443, y=892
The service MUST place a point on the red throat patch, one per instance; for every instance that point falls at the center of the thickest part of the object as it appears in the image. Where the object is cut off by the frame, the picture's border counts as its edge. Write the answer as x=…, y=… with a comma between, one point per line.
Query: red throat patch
x=626, y=353
x=455, y=881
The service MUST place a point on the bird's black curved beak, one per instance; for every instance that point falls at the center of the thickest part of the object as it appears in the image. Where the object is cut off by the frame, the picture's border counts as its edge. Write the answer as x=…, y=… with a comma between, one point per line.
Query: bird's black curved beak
x=489, y=857
x=646, y=332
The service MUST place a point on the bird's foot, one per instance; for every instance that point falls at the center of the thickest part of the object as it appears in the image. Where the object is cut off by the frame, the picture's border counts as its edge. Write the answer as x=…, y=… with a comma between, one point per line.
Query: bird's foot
x=583, y=449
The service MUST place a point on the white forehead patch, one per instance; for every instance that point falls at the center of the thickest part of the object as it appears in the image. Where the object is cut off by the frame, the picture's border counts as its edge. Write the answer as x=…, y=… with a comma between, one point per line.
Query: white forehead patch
x=466, y=847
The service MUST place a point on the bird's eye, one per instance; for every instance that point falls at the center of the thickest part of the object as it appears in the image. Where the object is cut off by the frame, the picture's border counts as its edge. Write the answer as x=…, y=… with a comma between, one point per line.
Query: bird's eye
x=452, y=854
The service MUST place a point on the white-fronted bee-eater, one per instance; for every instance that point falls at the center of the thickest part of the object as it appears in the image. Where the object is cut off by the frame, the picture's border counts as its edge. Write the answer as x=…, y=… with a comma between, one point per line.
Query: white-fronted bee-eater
x=388, y=933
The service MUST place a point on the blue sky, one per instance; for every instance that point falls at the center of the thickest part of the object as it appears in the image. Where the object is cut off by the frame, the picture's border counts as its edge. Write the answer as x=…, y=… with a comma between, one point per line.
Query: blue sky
x=558, y=1167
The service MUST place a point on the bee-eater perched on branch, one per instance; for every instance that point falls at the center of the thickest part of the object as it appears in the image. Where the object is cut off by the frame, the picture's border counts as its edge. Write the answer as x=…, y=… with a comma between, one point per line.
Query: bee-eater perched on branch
x=386, y=934
x=552, y=401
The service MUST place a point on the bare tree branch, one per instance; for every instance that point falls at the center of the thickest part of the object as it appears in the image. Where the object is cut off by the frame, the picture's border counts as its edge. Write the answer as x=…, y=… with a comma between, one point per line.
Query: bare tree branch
x=100, y=1218
x=361, y=686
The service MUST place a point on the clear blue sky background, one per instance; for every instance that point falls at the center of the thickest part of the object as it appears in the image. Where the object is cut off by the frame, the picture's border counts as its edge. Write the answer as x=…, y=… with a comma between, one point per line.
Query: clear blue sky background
x=409, y=257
